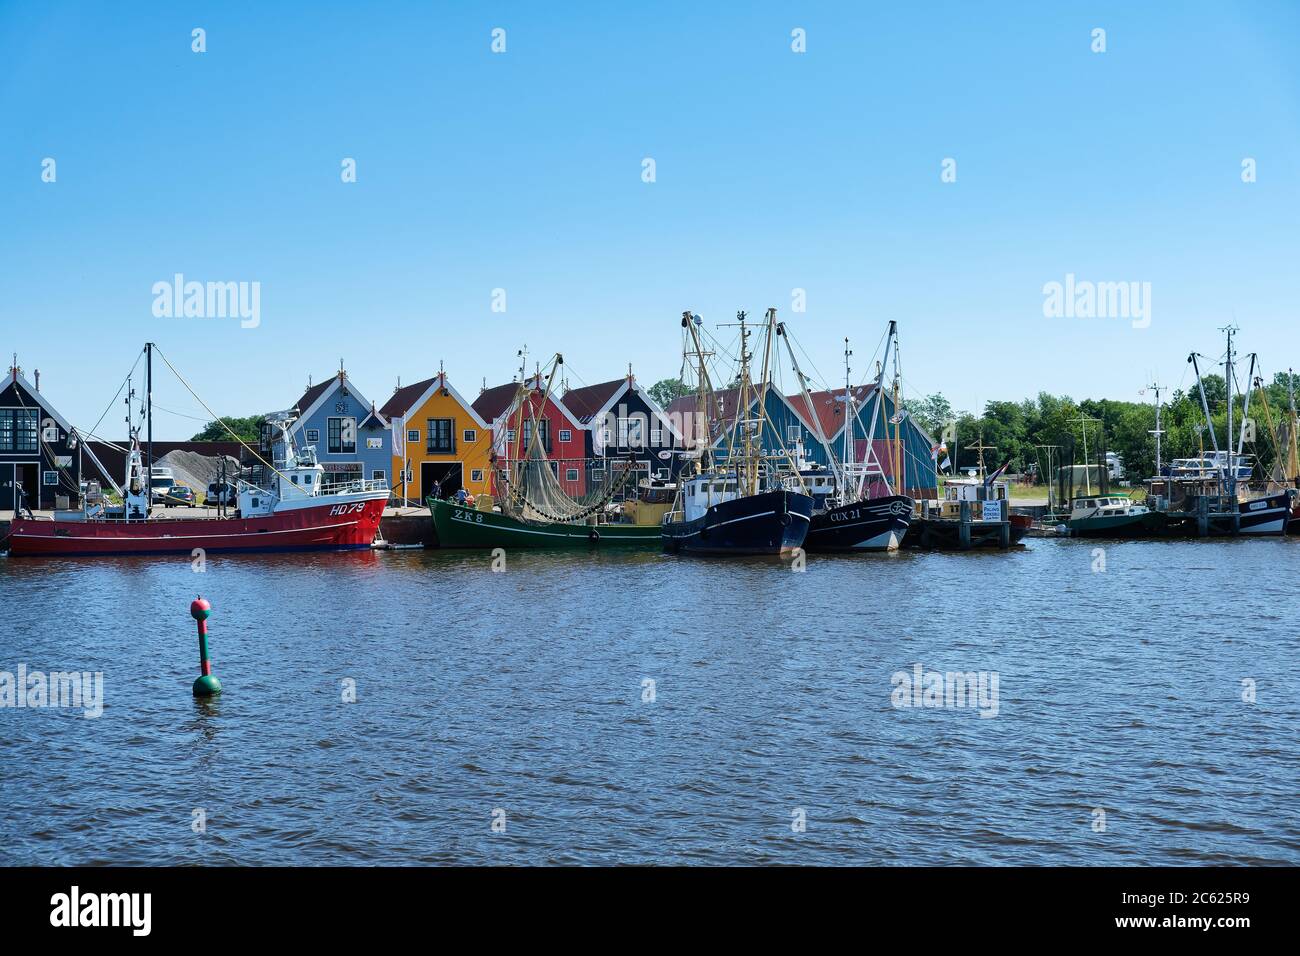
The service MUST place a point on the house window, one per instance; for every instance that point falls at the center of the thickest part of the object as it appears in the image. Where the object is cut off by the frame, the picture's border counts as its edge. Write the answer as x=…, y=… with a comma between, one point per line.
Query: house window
x=656, y=436
x=631, y=432
x=566, y=434
x=543, y=429
x=476, y=474
x=793, y=433
x=469, y=436
x=18, y=429
x=51, y=477
x=661, y=473
x=313, y=436
x=378, y=475
x=442, y=436
x=510, y=435
x=570, y=474
x=413, y=436
x=342, y=435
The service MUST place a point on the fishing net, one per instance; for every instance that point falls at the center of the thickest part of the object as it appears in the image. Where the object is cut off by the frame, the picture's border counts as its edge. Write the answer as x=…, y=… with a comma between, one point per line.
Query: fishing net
x=536, y=492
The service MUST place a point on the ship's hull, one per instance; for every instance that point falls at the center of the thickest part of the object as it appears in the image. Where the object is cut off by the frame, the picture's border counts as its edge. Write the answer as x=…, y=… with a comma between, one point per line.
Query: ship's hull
x=1267, y=515
x=878, y=524
x=334, y=525
x=1145, y=525
x=774, y=522
x=459, y=527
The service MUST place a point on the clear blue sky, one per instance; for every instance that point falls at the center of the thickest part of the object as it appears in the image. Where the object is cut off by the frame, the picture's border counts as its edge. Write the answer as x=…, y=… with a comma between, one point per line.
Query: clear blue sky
x=522, y=171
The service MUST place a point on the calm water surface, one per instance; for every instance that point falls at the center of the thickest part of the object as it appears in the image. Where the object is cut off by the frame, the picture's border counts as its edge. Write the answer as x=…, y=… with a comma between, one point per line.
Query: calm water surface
x=522, y=692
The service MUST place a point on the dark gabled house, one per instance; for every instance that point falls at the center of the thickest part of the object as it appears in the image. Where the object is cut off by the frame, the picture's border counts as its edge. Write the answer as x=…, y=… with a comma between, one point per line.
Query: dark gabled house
x=38, y=448
x=622, y=421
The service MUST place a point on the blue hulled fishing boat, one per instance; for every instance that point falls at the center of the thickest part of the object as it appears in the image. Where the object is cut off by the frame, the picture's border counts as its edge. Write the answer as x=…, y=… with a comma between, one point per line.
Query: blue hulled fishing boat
x=737, y=506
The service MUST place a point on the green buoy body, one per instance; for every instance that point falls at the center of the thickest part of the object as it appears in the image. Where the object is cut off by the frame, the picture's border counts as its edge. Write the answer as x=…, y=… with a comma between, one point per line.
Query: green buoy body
x=207, y=684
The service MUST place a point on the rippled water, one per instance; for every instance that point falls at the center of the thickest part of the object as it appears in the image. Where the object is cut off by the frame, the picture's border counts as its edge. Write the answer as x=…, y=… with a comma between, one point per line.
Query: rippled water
x=522, y=692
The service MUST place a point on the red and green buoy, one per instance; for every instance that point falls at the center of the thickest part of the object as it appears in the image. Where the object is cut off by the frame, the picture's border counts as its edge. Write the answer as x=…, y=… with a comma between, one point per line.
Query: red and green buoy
x=206, y=685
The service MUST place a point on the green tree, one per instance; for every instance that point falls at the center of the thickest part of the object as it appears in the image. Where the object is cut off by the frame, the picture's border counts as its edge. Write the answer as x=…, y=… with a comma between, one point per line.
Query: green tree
x=248, y=429
x=667, y=390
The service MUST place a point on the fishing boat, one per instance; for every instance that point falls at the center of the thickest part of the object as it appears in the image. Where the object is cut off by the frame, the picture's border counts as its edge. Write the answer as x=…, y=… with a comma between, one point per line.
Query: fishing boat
x=287, y=508
x=1111, y=516
x=532, y=508
x=1211, y=495
x=460, y=526
x=737, y=504
x=974, y=512
x=850, y=513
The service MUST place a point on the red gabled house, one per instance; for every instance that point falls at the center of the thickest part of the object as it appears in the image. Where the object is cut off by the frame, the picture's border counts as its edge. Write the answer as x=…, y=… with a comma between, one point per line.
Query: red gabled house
x=512, y=421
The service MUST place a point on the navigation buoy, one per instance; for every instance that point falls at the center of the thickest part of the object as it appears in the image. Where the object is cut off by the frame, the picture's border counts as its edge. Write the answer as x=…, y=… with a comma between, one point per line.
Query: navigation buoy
x=206, y=685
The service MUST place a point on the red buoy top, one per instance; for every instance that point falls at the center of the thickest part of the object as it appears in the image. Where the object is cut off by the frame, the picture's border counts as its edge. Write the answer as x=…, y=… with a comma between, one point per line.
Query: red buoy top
x=200, y=609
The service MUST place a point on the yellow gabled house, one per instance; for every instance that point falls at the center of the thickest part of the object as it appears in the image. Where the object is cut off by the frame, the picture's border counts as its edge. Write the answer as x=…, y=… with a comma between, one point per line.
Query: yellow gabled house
x=439, y=441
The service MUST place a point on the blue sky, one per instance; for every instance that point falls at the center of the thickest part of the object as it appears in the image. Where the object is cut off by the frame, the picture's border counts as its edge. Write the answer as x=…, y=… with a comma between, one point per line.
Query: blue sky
x=774, y=170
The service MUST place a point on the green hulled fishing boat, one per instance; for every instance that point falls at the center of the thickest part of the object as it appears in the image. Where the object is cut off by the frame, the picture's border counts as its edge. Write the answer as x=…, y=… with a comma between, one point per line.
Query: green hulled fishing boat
x=530, y=505
x=460, y=527
x=1112, y=516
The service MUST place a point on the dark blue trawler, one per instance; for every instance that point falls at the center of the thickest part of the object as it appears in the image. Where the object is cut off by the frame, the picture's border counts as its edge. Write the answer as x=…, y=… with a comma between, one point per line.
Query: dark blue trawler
x=738, y=506
x=715, y=519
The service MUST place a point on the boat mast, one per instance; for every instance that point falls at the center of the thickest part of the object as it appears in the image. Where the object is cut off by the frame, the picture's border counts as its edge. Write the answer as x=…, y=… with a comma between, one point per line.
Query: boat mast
x=703, y=432
x=1293, y=468
x=1157, y=432
x=148, y=365
x=876, y=407
x=850, y=413
x=1245, y=407
x=1228, y=373
x=1205, y=406
x=1087, y=473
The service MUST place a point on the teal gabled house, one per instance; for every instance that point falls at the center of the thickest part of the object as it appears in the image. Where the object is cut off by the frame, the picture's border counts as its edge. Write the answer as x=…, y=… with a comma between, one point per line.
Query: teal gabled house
x=817, y=425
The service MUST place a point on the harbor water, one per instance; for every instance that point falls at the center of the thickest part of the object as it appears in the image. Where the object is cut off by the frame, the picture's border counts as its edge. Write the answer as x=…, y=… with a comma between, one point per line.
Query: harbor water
x=1138, y=704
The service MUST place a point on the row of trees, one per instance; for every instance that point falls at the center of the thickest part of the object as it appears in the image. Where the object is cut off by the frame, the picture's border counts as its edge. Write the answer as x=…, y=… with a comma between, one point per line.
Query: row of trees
x=1021, y=430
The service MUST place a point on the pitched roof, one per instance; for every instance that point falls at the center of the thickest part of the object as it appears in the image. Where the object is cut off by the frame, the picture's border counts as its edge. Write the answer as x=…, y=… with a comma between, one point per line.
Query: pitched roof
x=492, y=402
x=316, y=391
x=828, y=407
x=405, y=397
x=587, y=401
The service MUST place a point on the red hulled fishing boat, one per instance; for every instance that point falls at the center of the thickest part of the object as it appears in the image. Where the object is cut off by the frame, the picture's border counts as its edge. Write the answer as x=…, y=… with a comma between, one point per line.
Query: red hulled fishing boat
x=282, y=504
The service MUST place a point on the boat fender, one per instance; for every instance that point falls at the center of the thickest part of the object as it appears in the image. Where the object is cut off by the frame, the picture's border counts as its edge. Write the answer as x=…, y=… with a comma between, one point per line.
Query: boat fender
x=593, y=536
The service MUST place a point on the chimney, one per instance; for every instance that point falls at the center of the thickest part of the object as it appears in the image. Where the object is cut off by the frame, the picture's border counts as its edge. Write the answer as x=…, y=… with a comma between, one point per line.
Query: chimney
x=38, y=381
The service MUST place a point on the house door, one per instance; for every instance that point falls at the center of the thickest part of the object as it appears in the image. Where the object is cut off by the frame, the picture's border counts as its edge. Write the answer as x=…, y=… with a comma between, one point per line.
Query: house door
x=448, y=475
x=6, y=486
x=26, y=475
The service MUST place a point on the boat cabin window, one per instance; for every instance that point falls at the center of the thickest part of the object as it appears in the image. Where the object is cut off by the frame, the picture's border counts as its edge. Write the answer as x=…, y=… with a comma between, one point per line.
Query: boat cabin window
x=294, y=479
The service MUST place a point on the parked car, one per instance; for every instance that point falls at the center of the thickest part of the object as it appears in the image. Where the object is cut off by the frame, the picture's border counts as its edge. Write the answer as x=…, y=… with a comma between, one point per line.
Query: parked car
x=181, y=495
x=161, y=482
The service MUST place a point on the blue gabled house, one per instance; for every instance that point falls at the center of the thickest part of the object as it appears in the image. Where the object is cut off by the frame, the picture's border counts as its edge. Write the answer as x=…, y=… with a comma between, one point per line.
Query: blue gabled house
x=873, y=432
x=784, y=428
x=791, y=422
x=352, y=439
